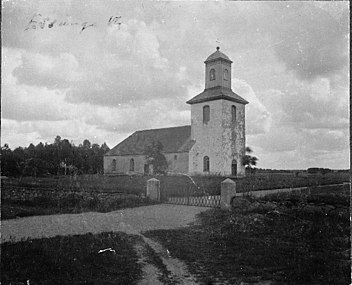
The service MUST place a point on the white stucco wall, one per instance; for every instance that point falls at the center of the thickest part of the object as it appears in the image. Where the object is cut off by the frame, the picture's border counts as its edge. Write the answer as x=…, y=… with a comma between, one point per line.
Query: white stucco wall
x=219, y=139
x=219, y=67
x=234, y=137
x=123, y=164
x=178, y=165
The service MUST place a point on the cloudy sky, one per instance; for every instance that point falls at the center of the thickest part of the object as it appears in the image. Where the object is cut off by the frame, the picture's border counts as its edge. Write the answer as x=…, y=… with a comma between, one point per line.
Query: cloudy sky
x=290, y=61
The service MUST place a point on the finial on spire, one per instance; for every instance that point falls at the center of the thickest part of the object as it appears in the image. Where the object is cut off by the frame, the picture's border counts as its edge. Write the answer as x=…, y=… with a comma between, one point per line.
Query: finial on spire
x=217, y=48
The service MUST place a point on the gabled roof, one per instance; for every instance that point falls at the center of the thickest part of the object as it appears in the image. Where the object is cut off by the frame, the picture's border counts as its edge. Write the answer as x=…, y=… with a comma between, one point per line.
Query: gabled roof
x=175, y=139
x=217, y=55
x=216, y=93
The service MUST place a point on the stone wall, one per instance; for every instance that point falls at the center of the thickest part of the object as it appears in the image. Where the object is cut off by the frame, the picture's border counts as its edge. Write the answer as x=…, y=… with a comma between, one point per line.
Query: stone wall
x=30, y=194
x=343, y=188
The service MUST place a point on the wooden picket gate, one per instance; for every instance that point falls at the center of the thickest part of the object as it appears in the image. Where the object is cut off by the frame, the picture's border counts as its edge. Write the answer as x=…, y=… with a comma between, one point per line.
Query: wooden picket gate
x=192, y=195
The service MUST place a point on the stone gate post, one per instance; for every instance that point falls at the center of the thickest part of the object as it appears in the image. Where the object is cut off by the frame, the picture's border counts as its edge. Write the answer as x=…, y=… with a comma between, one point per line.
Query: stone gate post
x=153, y=189
x=228, y=191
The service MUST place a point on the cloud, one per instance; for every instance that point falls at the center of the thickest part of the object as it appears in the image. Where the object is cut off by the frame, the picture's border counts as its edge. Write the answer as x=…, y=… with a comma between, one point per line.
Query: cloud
x=45, y=131
x=310, y=41
x=308, y=121
x=127, y=68
x=288, y=148
x=289, y=62
x=27, y=103
x=44, y=70
x=317, y=105
x=133, y=117
x=258, y=118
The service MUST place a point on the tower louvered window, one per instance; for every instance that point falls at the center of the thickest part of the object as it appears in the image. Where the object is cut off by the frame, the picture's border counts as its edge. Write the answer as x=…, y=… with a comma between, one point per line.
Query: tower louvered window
x=212, y=74
x=226, y=74
x=206, y=114
x=233, y=113
x=132, y=164
x=206, y=164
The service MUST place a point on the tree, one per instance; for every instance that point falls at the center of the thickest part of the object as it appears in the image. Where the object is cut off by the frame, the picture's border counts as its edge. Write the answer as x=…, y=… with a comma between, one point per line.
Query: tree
x=65, y=154
x=60, y=157
x=154, y=157
x=87, y=144
x=8, y=162
x=20, y=158
x=249, y=161
x=57, y=140
x=105, y=148
x=97, y=158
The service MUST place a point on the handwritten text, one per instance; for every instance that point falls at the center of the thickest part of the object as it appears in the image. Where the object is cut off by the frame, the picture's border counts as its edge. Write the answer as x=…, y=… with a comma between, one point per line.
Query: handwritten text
x=40, y=22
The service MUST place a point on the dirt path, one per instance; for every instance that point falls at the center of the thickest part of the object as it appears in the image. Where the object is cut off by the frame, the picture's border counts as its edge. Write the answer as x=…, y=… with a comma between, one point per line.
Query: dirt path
x=179, y=272
x=130, y=221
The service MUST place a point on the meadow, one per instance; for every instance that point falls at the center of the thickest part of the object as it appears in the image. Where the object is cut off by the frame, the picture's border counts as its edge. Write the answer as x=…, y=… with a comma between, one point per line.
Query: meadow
x=72, y=260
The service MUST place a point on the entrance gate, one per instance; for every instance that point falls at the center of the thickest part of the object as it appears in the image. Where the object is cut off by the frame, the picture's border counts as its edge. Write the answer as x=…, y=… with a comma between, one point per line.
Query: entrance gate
x=192, y=196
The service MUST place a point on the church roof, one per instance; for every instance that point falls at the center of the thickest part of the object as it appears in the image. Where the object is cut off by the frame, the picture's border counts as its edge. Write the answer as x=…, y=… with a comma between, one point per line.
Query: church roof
x=175, y=139
x=216, y=93
x=217, y=55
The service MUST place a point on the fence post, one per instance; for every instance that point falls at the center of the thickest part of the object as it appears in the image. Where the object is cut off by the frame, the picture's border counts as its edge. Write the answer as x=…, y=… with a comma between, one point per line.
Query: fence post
x=228, y=191
x=153, y=189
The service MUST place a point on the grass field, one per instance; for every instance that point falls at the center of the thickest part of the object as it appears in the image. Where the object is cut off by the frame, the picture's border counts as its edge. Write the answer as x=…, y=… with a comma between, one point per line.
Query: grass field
x=137, y=184
x=286, y=239
x=72, y=203
x=72, y=260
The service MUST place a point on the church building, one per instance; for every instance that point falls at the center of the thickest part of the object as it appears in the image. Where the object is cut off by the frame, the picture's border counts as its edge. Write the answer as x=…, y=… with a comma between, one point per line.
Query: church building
x=214, y=143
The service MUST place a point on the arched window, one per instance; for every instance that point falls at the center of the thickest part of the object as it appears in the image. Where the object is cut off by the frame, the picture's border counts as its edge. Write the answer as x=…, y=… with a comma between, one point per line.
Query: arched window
x=233, y=113
x=234, y=168
x=113, y=165
x=132, y=164
x=206, y=114
x=226, y=74
x=206, y=164
x=212, y=74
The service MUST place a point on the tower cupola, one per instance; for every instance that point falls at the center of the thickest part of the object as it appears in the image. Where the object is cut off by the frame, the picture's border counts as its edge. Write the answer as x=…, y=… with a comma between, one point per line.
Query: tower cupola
x=217, y=80
x=217, y=70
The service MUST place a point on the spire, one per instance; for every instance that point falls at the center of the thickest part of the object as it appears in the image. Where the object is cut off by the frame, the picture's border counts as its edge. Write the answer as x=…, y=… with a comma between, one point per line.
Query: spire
x=217, y=55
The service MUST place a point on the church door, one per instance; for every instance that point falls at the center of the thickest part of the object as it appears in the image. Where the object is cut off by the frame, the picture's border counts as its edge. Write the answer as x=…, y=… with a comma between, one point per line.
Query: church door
x=234, y=168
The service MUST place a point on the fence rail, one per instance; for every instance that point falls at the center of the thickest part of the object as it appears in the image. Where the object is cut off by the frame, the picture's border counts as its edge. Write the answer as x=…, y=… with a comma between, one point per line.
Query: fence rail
x=204, y=201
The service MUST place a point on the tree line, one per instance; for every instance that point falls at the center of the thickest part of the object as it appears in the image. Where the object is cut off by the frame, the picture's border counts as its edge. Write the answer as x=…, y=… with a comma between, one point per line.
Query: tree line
x=61, y=157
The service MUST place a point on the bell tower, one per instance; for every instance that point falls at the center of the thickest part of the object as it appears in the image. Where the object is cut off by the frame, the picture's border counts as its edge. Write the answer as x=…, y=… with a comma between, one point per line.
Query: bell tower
x=217, y=122
x=217, y=70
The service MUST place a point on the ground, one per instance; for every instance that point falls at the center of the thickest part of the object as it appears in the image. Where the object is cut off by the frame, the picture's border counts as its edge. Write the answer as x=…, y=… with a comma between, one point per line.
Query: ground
x=131, y=221
x=281, y=239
